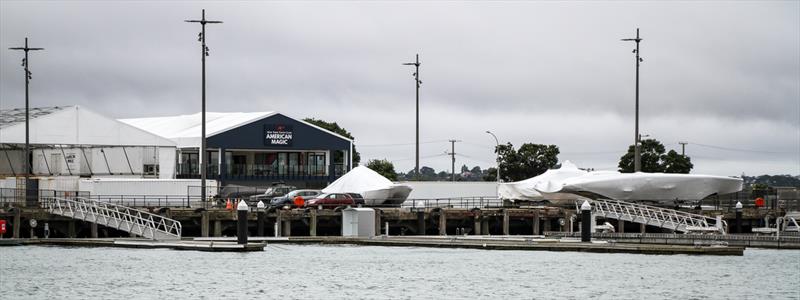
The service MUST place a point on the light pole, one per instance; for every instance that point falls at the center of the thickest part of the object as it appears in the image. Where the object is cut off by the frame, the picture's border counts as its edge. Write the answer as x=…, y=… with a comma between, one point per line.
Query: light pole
x=497, y=142
x=25, y=63
x=637, y=158
x=204, y=53
x=418, y=83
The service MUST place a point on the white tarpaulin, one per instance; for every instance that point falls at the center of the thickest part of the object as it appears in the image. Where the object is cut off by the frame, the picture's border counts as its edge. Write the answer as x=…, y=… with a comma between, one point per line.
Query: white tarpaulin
x=360, y=179
x=376, y=189
x=530, y=189
x=648, y=186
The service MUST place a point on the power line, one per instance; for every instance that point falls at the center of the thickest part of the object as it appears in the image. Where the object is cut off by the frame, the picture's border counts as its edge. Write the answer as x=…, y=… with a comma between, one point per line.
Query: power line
x=737, y=149
x=402, y=144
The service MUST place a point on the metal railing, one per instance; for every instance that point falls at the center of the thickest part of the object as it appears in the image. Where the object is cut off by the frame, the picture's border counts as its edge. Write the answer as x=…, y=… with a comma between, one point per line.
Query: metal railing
x=655, y=216
x=119, y=217
x=462, y=202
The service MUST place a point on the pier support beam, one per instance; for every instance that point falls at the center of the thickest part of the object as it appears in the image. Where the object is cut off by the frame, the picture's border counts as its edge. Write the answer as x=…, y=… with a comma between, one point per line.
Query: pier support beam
x=378, y=222
x=71, y=229
x=204, y=224
x=621, y=226
x=536, y=223
x=93, y=229
x=286, y=227
x=217, y=228
x=17, y=222
x=505, y=222
x=312, y=226
x=477, y=226
x=642, y=228
x=421, y=222
x=485, y=226
x=442, y=222
x=546, y=224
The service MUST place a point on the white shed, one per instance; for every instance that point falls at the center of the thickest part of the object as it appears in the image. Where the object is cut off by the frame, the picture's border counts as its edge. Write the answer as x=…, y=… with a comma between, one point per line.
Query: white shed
x=358, y=221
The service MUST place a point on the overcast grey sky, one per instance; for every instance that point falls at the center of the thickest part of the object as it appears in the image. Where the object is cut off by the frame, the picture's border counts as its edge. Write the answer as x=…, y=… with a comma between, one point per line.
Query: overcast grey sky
x=723, y=76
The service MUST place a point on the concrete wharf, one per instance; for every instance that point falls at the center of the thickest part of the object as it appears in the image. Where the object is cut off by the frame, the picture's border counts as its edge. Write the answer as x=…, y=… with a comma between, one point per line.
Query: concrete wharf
x=216, y=222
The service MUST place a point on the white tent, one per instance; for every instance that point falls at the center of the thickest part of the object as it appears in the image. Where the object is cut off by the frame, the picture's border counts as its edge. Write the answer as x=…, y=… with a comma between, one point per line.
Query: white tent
x=73, y=140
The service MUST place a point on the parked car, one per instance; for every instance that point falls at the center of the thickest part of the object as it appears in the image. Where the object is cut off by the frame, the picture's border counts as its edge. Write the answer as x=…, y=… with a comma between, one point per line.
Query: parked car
x=276, y=190
x=288, y=199
x=330, y=200
x=357, y=198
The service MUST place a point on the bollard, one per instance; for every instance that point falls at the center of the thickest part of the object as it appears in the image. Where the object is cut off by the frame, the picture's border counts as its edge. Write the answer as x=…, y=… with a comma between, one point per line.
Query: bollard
x=586, y=222
x=260, y=216
x=387, y=229
x=241, y=222
x=46, y=230
x=738, y=217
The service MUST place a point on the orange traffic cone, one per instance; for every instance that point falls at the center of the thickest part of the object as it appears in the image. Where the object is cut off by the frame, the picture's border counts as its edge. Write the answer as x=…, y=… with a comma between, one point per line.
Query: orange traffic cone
x=228, y=205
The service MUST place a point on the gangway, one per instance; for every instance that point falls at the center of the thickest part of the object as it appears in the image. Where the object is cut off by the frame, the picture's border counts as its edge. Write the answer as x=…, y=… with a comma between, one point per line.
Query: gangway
x=119, y=217
x=656, y=216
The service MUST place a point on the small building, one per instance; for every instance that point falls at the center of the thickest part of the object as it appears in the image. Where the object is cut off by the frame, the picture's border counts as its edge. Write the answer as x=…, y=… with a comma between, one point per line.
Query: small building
x=75, y=141
x=254, y=148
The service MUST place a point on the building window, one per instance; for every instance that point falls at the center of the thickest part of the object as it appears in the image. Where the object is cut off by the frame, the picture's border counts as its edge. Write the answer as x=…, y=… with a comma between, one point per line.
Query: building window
x=150, y=170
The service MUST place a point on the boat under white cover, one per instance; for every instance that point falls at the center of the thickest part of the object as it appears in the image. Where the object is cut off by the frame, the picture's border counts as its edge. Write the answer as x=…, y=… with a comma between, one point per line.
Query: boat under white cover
x=531, y=189
x=646, y=186
x=376, y=189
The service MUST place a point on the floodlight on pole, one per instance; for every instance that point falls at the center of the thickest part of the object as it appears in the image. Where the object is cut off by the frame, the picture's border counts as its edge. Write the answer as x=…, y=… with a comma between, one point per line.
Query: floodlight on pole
x=418, y=82
x=637, y=156
x=204, y=52
x=28, y=77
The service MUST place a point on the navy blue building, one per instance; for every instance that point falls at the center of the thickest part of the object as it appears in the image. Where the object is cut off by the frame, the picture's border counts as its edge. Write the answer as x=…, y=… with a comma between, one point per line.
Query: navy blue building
x=257, y=148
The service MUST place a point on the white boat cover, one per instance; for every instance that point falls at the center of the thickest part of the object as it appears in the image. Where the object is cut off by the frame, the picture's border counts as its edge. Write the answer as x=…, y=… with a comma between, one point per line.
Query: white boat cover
x=359, y=180
x=646, y=186
x=531, y=188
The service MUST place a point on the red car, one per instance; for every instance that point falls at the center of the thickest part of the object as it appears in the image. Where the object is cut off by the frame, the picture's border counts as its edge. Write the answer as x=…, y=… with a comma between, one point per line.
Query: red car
x=330, y=200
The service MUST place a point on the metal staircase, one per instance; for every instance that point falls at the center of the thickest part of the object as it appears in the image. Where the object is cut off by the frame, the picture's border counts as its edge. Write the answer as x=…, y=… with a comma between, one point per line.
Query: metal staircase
x=119, y=217
x=656, y=216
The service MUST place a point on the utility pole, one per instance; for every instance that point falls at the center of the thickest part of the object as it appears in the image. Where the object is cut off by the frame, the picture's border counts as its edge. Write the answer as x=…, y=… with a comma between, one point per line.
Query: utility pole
x=453, y=155
x=418, y=83
x=203, y=54
x=637, y=156
x=28, y=77
x=683, y=148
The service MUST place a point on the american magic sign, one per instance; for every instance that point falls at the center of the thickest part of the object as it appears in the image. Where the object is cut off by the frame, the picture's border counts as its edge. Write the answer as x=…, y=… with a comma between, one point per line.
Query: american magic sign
x=277, y=135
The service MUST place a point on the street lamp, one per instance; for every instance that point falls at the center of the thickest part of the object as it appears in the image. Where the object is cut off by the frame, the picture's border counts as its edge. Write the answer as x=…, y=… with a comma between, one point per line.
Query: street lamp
x=418, y=83
x=497, y=142
x=637, y=157
x=203, y=54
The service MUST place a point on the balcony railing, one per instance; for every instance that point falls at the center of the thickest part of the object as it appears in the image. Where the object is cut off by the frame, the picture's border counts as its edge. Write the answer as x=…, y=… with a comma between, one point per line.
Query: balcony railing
x=242, y=171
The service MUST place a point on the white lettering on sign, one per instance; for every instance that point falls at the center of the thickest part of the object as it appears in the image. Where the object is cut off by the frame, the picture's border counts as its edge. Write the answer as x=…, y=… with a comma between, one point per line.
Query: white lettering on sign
x=280, y=135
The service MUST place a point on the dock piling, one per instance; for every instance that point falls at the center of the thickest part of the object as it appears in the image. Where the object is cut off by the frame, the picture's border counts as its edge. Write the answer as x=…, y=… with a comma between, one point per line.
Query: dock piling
x=586, y=222
x=241, y=222
x=505, y=222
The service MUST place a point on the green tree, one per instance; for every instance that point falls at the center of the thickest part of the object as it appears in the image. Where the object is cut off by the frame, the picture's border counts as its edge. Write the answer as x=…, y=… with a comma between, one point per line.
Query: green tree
x=333, y=127
x=676, y=163
x=490, y=174
x=383, y=167
x=464, y=169
x=654, y=160
x=476, y=171
x=528, y=161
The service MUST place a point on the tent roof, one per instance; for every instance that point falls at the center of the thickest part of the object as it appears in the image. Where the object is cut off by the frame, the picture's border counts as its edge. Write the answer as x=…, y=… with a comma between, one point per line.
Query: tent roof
x=73, y=125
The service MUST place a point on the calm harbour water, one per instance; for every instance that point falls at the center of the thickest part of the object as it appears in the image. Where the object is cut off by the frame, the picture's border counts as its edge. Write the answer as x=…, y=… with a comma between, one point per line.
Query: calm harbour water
x=332, y=272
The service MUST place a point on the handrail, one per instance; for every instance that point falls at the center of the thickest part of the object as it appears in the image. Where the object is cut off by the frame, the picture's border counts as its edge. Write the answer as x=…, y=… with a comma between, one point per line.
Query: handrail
x=653, y=215
x=124, y=218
